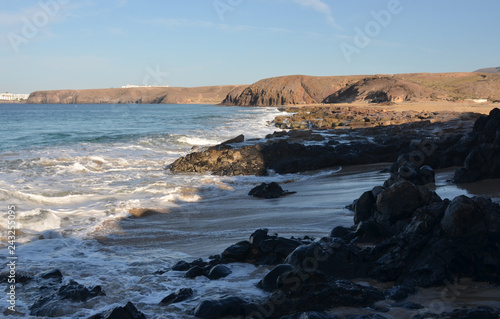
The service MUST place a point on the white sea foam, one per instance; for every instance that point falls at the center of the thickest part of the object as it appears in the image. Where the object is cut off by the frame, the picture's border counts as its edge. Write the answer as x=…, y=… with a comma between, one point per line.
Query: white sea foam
x=38, y=220
x=198, y=141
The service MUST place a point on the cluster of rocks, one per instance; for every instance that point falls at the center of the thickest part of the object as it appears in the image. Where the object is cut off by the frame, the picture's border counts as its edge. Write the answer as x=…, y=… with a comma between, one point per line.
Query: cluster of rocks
x=476, y=152
x=285, y=152
x=403, y=233
x=59, y=300
x=328, y=117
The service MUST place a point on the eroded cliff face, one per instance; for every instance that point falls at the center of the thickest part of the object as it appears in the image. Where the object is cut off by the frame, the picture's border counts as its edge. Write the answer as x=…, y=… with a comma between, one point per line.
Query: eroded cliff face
x=417, y=87
x=290, y=90
x=153, y=95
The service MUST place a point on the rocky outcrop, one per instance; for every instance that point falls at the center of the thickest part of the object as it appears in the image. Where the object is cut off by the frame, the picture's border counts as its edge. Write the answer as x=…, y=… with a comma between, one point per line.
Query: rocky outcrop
x=285, y=153
x=289, y=90
x=284, y=157
x=149, y=95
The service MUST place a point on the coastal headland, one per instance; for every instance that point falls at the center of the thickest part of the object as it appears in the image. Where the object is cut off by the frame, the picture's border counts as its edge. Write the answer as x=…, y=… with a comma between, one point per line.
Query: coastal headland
x=139, y=95
x=302, y=90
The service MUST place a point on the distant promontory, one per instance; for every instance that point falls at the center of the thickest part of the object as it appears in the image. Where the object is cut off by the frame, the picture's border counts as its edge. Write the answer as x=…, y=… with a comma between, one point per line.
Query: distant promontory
x=135, y=95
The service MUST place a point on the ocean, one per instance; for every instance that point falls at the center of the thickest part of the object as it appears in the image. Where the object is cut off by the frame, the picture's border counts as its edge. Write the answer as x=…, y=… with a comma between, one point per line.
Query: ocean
x=73, y=172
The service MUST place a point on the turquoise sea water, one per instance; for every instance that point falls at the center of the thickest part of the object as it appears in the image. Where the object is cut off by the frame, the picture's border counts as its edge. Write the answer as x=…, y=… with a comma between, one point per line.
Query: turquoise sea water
x=24, y=127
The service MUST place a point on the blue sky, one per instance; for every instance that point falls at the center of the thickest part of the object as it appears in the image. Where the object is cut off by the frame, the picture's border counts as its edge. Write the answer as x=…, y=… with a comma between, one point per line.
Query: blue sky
x=82, y=44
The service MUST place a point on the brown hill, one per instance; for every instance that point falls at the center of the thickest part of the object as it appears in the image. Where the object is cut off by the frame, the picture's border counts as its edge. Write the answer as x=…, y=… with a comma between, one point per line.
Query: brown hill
x=415, y=87
x=489, y=70
x=379, y=89
x=290, y=90
x=152, y=95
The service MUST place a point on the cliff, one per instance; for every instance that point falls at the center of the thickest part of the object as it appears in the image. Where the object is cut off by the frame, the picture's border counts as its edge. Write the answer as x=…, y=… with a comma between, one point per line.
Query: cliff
x=416, y=87
x=152, y=95
x=290, y=90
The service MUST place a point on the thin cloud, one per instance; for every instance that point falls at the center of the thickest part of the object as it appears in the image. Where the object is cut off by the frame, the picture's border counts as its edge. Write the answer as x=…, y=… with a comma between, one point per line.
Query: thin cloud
x=176, y=23
x=321, y=7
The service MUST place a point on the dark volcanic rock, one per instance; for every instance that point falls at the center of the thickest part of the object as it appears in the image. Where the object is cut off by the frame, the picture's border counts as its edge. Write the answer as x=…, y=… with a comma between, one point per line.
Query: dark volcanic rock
x=194, y=272
x=332, y=256
x=399, y=202
x=464, y=220
x=311, y=315
x=53, y=273
x=268, y=191
x=284, y=154
x=218, y=272
x=50, y=306
x=417, y=238
x=238, y=252
x=270, y=281
x=231, y=306
x=75, y=292
x=313, y=291
x=181, y=266
x=285, y=157
x=127, y=312
x=179, y=296
x=483, y=160
x=262, y=250
x=478, y=313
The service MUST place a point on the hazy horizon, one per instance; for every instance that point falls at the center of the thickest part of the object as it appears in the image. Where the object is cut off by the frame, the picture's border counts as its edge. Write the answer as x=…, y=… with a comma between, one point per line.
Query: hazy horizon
x=84, y=44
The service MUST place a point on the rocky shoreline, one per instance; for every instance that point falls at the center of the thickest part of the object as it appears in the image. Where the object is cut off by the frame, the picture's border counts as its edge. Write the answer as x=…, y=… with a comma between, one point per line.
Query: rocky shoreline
x=403, y=232
x=404, y=237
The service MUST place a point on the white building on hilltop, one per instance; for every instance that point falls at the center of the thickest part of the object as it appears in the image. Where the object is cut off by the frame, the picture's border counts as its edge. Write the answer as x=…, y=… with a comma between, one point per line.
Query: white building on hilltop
x=13, y=97
x=130, y=86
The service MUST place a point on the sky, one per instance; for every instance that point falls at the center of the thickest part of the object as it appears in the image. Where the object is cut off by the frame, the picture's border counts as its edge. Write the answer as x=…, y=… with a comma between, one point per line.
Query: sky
x=85, y=44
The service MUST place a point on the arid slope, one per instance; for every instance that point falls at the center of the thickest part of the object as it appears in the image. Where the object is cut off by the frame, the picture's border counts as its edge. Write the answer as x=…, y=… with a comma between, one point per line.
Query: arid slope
x=153, y=95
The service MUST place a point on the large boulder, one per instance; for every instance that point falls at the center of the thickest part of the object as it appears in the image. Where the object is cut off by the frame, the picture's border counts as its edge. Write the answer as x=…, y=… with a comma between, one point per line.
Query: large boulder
x=331, y=256
x=270, y=281
x=262, y=249
x=397, y=203
x=464, y=220
x=219, y=308
x=483, y=160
